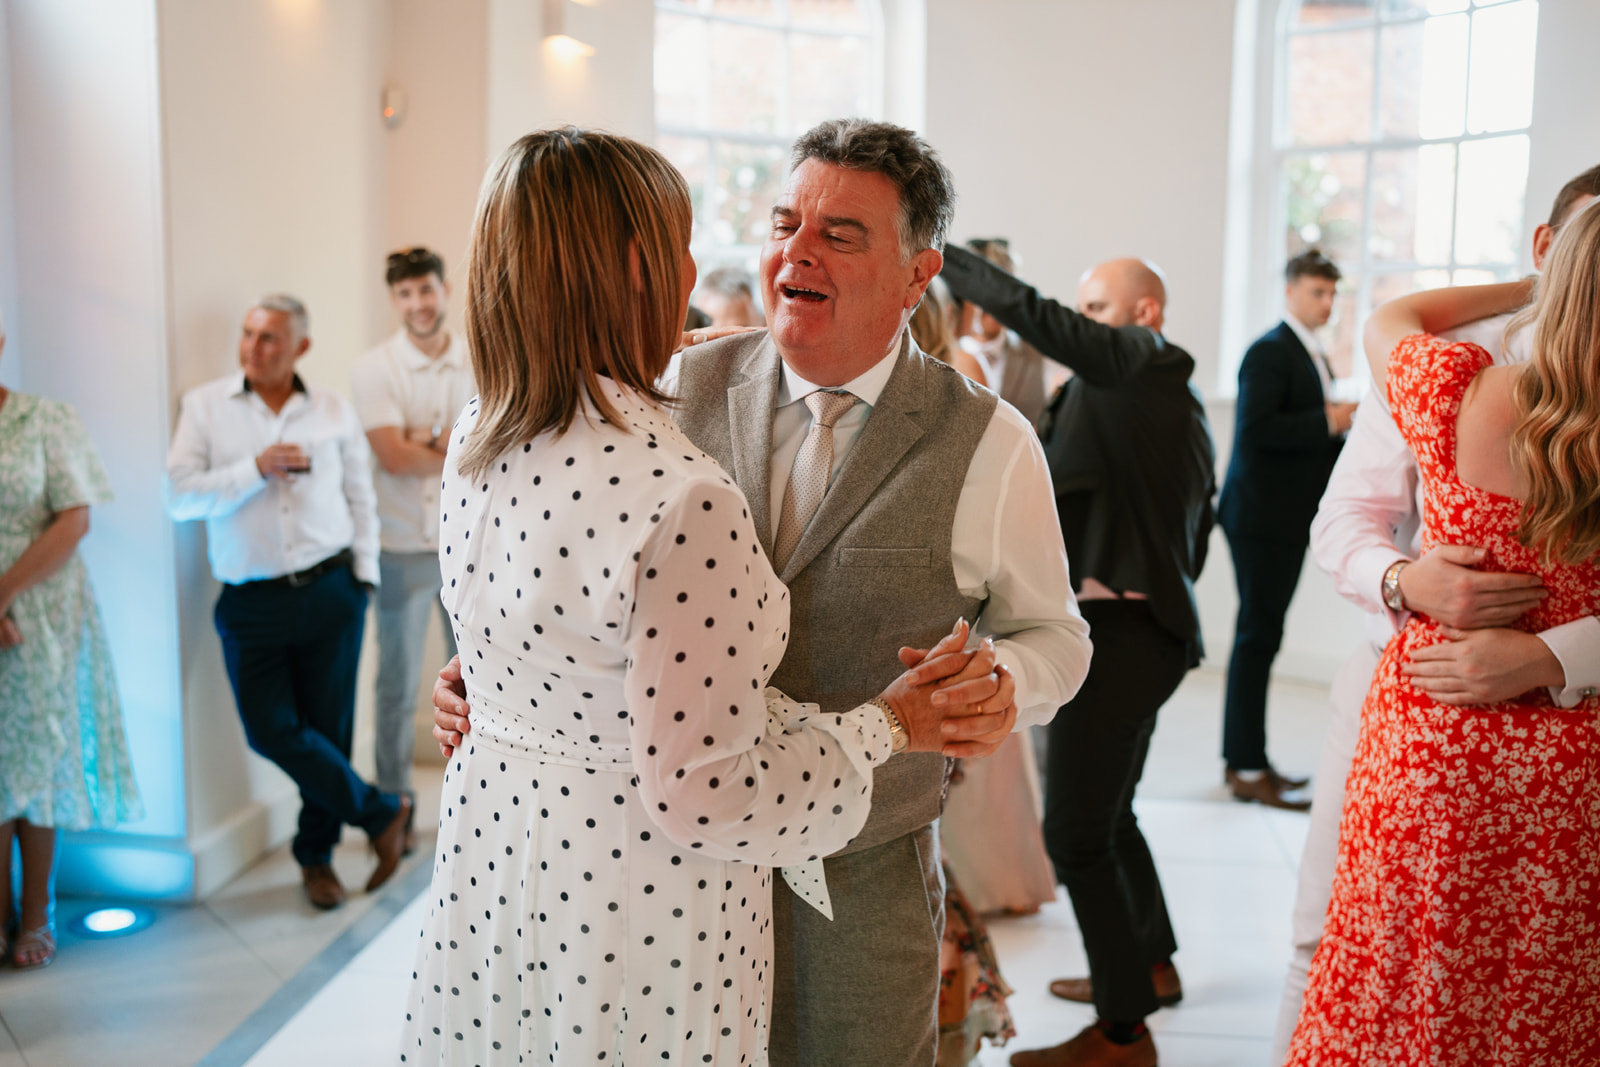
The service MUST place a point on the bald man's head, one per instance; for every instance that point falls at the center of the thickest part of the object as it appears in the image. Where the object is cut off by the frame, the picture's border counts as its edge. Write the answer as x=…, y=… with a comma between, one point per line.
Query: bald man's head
x=1124, y=292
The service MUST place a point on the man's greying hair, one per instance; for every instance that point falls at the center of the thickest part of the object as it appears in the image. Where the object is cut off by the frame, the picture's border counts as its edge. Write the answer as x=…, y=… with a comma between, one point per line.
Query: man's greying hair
x=1585, y=184
x=299, y=321
x=729, y=282
x=1311, y=264
x=927, y=190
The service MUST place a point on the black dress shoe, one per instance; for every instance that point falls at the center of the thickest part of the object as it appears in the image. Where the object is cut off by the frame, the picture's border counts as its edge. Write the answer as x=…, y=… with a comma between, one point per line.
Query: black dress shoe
x=322, y=887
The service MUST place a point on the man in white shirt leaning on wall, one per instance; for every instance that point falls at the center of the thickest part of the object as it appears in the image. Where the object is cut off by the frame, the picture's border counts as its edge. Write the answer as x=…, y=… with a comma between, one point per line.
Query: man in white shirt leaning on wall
x=278, y=471
x=407, y=392
x=1370, y=510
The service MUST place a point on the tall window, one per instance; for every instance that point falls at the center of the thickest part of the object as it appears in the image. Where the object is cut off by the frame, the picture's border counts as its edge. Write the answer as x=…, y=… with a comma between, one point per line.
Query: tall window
x=736, y=81
x=1402, y=144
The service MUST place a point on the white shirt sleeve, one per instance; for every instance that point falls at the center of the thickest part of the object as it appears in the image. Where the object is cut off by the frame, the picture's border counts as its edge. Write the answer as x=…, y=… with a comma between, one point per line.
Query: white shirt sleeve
x=726, y=767
x=1371, y=497
x=1006, y=545
x=356, y=456
x=196, y=490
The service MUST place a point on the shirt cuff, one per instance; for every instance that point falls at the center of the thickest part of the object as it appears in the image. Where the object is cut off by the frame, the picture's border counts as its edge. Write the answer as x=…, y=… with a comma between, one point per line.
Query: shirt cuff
x=245, y=475
x=1366, y=569
x=1576, y=645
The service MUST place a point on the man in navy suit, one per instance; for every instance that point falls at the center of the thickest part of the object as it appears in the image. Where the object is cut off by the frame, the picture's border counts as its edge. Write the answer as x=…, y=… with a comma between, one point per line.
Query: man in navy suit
x=1286, y=436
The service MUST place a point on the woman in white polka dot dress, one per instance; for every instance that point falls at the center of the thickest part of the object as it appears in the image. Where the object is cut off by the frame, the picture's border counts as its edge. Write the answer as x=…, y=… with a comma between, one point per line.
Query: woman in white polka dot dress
x=602, y=881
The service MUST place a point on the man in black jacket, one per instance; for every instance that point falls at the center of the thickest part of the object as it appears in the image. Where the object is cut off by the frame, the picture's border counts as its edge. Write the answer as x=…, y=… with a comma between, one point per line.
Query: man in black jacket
x=1133, y=469
x=1287, y=433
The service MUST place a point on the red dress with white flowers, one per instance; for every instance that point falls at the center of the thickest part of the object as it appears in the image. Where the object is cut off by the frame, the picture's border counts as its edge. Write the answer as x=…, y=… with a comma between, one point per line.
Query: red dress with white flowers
x=1465, y=921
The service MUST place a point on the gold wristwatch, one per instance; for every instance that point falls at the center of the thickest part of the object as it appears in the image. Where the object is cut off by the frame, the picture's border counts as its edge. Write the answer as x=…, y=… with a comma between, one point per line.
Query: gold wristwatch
x=1392, y=597
x=898, y=739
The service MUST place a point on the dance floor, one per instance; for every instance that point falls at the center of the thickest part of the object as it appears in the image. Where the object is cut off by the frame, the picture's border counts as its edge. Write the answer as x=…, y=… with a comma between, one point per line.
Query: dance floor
x=254, y=978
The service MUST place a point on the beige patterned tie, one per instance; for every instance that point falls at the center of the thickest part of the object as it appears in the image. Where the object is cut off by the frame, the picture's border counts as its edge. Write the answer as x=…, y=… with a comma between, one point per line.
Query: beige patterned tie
x=808, y=479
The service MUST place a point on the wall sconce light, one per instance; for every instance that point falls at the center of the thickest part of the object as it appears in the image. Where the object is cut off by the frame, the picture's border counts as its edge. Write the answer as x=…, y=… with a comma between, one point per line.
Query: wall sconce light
x=393, y=106
x=556, y=39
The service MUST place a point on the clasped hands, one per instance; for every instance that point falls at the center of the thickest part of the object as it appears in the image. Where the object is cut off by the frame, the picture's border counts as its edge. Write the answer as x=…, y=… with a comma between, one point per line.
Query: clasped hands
x=950, y=699
x=1482, y=660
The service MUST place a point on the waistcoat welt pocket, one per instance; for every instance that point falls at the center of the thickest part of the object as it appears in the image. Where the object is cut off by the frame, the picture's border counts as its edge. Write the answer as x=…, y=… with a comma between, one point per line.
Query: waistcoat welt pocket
x=885, y=557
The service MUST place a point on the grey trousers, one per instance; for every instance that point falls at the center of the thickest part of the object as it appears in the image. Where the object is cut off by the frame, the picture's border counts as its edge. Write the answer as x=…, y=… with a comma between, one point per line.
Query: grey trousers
x=862, y=990
x=409, y=590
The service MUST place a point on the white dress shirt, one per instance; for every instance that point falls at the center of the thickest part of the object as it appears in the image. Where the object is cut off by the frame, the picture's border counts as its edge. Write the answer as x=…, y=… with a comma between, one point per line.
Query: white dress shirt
x=1319, y=358
x=1005, y=543
x=259, y=527
x=397, y=384
x=1372, y=506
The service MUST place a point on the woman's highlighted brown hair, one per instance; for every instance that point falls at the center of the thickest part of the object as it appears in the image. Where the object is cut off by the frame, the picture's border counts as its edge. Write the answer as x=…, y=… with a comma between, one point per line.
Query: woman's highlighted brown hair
x=575, y=271
x=1555, y=448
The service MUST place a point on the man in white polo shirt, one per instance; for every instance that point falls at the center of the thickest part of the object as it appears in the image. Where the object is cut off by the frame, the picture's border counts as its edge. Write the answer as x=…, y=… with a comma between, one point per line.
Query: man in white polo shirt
x=407, y=392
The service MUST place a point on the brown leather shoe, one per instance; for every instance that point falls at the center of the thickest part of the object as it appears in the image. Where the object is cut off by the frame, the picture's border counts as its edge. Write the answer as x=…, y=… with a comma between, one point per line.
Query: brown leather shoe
x=1285, y=781
x=390, y=845
x=1091, y=1048
x=1269, y=790
x=1169, y=989
x=322, y=887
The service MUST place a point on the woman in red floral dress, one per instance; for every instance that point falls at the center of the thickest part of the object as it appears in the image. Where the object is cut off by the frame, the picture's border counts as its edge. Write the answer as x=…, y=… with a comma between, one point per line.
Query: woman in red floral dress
x=1465, y=921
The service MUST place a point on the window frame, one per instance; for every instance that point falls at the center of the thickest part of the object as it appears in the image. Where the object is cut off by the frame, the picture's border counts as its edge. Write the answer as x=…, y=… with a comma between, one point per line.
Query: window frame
x=707, y=251
x=1268, y=218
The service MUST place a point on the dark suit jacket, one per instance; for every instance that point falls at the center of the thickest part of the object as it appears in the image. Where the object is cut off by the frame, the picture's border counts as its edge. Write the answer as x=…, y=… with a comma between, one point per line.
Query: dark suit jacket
x=1130, y=451
x=1282, y=451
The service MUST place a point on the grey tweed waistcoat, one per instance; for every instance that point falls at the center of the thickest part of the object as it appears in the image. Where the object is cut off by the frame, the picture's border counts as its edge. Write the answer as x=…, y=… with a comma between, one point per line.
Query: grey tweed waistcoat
x=872, y=571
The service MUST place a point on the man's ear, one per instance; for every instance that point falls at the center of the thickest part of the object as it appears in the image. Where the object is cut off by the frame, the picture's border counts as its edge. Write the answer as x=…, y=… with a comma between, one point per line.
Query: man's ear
x=925, y=267
x=301, y=348
x=1544, y=235
x=1147, y=312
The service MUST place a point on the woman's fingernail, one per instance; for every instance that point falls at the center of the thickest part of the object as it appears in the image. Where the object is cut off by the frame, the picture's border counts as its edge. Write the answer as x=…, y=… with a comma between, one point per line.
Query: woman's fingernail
x=938, y=699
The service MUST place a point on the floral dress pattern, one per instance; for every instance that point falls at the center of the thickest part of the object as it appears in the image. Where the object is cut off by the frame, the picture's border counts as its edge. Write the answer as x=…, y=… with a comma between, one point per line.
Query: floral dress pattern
x=1465, y=921
x=63, y=752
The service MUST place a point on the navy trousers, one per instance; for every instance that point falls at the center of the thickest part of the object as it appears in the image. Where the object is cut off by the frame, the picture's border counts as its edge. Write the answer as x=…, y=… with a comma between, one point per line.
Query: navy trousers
x=1098, y=744
x=291, y=655
x=1266, y=573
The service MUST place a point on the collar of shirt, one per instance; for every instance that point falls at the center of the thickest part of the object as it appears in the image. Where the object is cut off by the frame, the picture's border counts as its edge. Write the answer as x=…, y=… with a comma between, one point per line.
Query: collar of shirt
x=454, y=354
x=242, y=385
x=1307, y=338
x=865, y=387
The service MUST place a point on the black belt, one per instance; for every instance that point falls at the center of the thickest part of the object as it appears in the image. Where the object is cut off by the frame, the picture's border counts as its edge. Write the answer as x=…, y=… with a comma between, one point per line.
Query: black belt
x=343, y=558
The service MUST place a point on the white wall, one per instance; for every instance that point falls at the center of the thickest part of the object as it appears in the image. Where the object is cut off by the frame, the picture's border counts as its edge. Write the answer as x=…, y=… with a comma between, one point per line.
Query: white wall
x=91, y=330
x=1085, y=130
x=1566, y=124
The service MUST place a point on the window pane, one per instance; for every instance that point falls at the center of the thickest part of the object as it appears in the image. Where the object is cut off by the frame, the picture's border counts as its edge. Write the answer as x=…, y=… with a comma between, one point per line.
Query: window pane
x=744, y=93
x=1330, y=87
x=1405, y=8
x=680, y=70
x=1477, y=276
x=748, y=180
x=1326, y=197
x=1494, y=175
x=764, y=10
x=1424, y=78
x=829, y=14
x=689, y=155
x=825, y=79
x=1501, y=97
x=1326, y=12
x=1413, y=203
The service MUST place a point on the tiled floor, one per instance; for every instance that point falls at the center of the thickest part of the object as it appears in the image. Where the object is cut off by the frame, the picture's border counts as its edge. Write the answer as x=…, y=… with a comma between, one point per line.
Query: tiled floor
x=173, y=994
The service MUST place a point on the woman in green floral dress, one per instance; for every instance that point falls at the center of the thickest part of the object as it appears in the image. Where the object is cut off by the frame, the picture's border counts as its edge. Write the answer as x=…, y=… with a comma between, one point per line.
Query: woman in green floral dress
x=63, y=753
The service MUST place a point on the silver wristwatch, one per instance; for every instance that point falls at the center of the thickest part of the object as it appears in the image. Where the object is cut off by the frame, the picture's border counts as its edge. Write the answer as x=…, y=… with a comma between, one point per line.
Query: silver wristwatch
x=898, y=738
x=1392, y=597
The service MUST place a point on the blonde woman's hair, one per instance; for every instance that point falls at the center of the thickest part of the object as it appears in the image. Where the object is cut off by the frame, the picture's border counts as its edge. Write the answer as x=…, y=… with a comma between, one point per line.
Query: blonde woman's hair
x=574, y=272
x=1555, y=447
x=930, y=327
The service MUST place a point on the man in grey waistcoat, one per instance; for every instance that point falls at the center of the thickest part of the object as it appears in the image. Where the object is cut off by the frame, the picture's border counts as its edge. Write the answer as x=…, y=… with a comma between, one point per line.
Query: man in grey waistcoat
x=938, y=506
x=935, y=505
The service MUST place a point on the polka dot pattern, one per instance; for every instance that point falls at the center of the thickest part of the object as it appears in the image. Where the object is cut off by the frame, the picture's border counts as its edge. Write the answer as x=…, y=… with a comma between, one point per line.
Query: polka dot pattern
x=602, y=882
